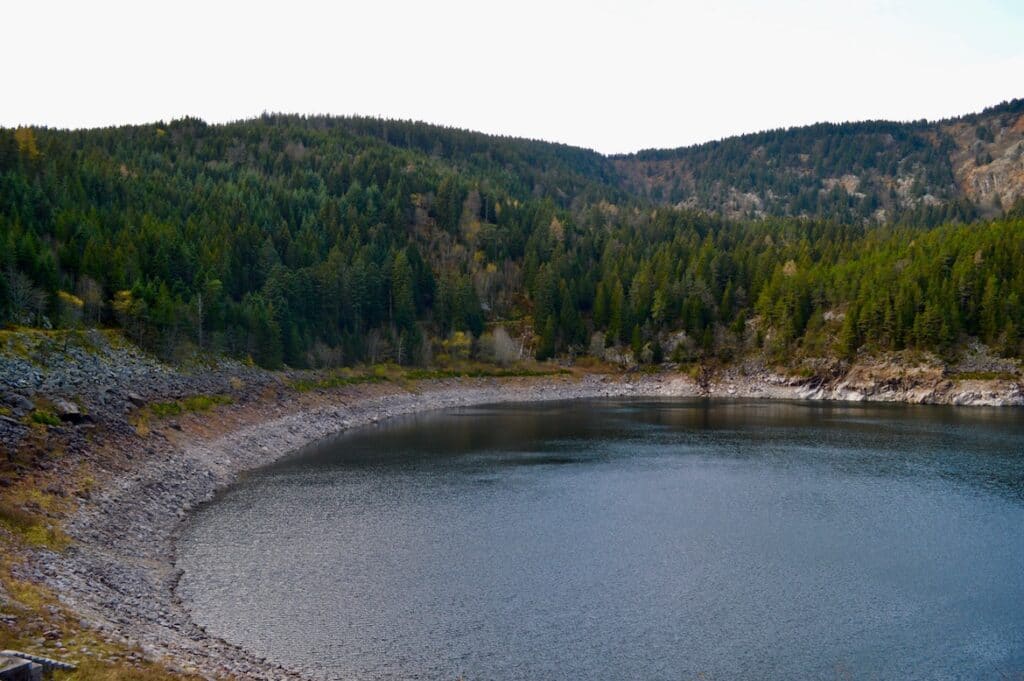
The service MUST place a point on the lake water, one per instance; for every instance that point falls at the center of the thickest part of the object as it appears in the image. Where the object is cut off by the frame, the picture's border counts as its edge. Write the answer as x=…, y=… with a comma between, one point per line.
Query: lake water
x=630, y=540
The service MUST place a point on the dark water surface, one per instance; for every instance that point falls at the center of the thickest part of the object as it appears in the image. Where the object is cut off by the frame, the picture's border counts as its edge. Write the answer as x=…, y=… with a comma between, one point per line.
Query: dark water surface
x=630, y=540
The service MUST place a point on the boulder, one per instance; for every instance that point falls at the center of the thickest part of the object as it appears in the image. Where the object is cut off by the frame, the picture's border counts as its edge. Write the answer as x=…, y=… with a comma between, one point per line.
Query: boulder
x=18, y=402
x=68, y=411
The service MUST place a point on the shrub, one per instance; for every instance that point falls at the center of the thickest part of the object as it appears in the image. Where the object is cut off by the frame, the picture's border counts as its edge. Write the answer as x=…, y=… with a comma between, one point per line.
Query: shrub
x=44, y=417
x=196, y=403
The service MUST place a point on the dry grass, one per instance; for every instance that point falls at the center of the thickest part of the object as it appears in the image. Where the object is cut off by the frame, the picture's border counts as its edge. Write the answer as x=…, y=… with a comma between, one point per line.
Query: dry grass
x=105, y=671
x=983, y=376
x=36, y=619
x=38, y=615
x=34, y=529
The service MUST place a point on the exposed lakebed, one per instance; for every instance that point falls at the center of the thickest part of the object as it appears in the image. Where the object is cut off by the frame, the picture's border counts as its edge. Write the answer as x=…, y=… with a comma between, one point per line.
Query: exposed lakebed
x=612, y=539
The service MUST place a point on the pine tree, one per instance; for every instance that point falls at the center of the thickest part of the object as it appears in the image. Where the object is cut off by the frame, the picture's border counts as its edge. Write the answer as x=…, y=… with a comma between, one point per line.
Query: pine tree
x=601, y=306
x=849, y=336
x=546, y=346
x=990, y=312
x=636, y=342
x=617, y=315
x=403, y=302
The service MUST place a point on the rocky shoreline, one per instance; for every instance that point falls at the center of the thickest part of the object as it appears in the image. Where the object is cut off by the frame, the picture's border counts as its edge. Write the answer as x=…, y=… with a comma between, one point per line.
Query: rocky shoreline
x=870, y=382
x=119, y=576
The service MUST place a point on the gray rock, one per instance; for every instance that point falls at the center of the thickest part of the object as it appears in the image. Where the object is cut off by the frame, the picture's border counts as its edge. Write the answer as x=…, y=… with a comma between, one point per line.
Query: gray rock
x=18, y=402
x=68, y=411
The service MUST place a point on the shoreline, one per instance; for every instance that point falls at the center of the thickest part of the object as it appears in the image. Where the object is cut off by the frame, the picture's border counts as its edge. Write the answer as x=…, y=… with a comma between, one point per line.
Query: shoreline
x=120, y=576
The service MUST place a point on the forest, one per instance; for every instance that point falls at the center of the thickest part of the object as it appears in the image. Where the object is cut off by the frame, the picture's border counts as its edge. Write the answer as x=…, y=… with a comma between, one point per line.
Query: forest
x=319, y=241
x=916, y=173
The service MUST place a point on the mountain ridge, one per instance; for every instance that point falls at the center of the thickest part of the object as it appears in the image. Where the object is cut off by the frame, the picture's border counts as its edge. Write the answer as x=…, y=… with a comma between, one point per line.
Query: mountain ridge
x=877, y=171
x=931, y=171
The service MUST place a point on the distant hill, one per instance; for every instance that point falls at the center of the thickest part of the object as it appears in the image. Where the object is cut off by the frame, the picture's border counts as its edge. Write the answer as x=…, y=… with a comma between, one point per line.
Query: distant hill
x=875, y=171
x=524, y=168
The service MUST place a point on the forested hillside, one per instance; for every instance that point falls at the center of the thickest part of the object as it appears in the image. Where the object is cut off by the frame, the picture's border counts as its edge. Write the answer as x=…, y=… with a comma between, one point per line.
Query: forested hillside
x=877, y=171
x=323, y=241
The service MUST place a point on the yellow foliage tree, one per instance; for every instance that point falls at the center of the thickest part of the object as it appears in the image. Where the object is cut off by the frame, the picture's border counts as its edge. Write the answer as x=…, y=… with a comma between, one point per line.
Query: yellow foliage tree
x=26, y=139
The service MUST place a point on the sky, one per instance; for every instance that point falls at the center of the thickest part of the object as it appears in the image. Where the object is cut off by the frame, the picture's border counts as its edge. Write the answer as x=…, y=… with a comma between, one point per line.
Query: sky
x=616, y=76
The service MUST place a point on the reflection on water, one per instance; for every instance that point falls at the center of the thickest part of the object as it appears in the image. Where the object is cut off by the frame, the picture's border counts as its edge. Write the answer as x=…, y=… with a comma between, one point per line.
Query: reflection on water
x=630, y=540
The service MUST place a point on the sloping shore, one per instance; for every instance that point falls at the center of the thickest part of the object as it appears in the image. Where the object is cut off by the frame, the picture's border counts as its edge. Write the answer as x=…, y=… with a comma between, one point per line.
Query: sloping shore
x=119, y=573
x=119, y=576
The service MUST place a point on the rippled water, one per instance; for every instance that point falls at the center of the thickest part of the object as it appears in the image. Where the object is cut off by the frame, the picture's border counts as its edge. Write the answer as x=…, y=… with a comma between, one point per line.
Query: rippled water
x=630, y=540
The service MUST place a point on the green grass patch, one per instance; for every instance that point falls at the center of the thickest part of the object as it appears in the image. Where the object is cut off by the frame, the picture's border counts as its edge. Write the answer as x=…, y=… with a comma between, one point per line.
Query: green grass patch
x=195, y=403
x=984, y=376
x=32, y=343
x=44, y=417
x=381, y=373
x=436, y=374
x=14, y=345
x=165, y=409
x=337, y=380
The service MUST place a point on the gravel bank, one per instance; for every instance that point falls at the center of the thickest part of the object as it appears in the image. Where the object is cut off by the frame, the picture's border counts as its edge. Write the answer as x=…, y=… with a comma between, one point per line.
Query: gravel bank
x=119, y=575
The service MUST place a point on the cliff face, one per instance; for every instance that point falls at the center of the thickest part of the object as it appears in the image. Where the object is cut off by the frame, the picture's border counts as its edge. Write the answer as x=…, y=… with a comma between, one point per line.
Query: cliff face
x=873, y=171
x=915, y=385
x=988, y=159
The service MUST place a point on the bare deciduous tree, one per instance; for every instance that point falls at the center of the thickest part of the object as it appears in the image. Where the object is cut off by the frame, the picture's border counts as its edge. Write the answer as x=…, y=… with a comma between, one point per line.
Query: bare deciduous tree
x=374, y=344
x=400, y=343
x=506, y=350
x=91, y=294
x=28, y=303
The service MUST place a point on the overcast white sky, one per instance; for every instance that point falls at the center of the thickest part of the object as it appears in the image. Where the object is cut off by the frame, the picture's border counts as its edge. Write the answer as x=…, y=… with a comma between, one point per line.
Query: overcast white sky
x=610, y=75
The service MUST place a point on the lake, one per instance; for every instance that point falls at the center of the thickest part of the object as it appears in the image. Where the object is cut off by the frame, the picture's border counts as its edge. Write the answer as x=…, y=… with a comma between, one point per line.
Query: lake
x=617, y=539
